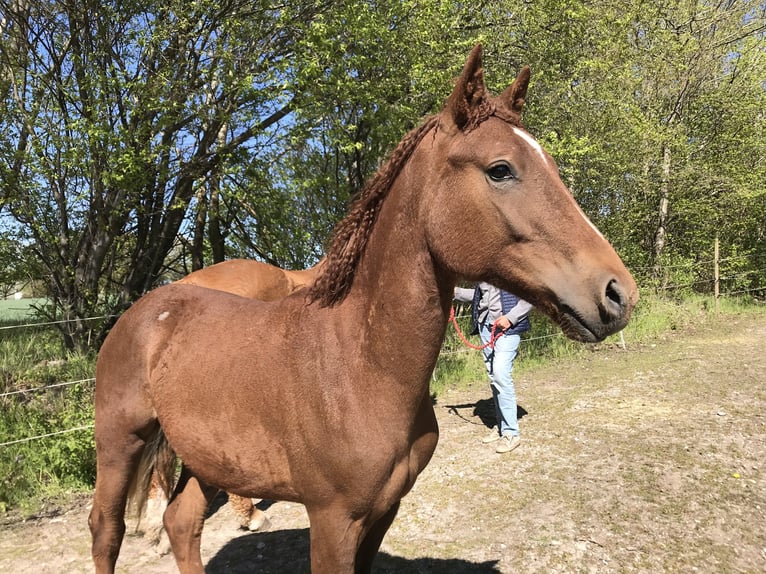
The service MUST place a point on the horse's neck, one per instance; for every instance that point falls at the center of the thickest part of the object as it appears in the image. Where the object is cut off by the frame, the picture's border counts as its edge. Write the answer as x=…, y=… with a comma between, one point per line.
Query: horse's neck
x=403, y=299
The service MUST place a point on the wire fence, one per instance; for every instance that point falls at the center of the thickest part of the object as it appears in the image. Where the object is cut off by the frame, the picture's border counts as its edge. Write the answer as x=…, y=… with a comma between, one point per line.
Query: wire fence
x=51, y=323
x=46, y=387
x=444, y=351
x=46, y=435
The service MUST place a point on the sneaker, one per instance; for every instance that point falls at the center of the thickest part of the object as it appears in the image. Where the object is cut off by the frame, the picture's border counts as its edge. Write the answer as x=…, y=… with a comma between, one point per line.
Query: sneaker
x=491, y=437
x=508, y=442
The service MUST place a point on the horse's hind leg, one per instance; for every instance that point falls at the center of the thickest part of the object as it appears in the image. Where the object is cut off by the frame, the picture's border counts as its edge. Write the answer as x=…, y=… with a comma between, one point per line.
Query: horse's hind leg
x=184, y=519
x=249, y=515
x=151, y=523
x=117, y=462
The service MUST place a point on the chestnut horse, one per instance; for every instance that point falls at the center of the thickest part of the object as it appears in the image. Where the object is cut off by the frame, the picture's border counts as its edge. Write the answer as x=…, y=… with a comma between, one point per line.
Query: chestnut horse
x=252, y=279
x=323, y=399
x=246, y=278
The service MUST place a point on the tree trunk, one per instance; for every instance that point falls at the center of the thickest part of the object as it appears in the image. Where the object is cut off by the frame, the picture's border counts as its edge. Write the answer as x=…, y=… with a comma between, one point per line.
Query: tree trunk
x=198, y=239
x=215, y=233
x=662, y=214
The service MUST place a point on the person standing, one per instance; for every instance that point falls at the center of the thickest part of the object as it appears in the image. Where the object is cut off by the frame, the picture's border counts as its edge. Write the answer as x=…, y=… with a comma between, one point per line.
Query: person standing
x=508, y=314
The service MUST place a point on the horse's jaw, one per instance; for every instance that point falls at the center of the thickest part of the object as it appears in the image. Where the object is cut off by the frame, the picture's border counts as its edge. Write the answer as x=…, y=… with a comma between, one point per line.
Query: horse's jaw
x=599, y=308
x=576, y=327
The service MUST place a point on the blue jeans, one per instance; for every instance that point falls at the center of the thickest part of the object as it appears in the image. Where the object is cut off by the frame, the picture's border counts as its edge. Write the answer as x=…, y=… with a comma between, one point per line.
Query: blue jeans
x=499, y=363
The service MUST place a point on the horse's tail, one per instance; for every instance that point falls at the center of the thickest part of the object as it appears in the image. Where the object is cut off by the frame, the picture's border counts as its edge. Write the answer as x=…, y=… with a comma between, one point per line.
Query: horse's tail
x=156, y=469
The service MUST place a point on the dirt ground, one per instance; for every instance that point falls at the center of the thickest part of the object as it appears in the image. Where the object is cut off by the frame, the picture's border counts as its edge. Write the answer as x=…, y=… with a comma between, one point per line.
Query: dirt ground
x=645, y=460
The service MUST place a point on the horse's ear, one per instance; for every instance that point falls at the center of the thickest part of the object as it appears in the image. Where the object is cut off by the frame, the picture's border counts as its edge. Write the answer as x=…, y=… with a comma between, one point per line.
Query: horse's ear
x=469, y=103
x=514, y=95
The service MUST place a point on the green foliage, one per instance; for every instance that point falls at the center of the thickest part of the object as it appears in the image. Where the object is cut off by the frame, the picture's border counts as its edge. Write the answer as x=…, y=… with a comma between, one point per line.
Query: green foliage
x=353, y=104
x=30, y=358
x=50, y=465
x=183, y=133
x=614, y=83
x=13, y=273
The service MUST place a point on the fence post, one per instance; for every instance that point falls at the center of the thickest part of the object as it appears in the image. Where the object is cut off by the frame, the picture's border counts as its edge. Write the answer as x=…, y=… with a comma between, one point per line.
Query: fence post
x=716, y=274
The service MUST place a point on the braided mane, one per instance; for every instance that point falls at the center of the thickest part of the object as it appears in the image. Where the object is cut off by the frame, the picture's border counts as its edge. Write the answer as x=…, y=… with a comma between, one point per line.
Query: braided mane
x=351, y=234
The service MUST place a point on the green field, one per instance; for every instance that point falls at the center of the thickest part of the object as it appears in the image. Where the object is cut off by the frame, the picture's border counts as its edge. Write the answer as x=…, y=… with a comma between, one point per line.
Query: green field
x=12, y=310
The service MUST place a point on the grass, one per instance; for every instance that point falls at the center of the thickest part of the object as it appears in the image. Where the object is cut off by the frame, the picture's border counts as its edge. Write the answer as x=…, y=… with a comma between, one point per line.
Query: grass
x=33, y=403
x=18, y=310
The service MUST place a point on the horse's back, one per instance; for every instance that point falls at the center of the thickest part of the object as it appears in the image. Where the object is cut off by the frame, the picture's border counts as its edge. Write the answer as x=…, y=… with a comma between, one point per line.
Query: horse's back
x=243, y=277
x=183, y=317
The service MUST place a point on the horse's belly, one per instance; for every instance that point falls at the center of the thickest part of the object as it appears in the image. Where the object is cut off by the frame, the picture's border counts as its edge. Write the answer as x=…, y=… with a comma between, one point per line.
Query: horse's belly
x=252, y=470
x=225, y=439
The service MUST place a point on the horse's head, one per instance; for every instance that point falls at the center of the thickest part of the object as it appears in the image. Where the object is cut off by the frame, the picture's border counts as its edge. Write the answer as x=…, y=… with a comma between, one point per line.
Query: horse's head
x=501, y=213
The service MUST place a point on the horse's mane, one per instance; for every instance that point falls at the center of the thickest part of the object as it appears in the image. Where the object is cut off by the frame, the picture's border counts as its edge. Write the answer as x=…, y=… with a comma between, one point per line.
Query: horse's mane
x=351, y=234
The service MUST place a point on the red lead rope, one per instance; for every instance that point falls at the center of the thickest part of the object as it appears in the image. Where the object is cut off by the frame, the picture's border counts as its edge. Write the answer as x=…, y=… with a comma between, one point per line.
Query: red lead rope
x=494, y=337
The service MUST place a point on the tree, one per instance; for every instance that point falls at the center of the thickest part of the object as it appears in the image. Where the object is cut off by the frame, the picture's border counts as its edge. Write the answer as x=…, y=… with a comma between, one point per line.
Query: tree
x=13, y=274
x=116, y=116
x=650, y=110
x=356, y=101
x=145, y=133
x=139, y=141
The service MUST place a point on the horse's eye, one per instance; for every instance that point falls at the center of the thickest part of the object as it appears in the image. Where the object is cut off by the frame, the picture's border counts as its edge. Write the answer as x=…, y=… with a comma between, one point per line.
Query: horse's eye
x=500, y=172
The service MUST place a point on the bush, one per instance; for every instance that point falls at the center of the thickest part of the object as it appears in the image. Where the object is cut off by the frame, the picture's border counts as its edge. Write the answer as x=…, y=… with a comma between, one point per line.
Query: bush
x=33, y=405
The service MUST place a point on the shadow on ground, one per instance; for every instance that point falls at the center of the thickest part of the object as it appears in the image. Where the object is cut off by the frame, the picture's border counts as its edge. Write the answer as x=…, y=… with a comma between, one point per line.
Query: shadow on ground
x=484, y=409
x=288, y=551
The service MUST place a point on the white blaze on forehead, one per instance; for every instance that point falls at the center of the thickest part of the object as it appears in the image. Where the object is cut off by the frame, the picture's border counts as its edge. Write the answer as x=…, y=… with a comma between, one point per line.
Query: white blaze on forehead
x=586, y=218
x=164, y=315
x=538, y=148
x=531, y=141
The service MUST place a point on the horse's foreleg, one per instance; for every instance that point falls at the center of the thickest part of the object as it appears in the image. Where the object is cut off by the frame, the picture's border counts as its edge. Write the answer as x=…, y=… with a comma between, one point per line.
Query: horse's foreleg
x=368, y=549
x=116, y=464
x=334, y=540
x=184, y=519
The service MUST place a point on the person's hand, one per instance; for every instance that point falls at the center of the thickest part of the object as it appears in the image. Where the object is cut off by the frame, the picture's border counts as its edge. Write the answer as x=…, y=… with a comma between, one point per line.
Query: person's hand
x=503, y=323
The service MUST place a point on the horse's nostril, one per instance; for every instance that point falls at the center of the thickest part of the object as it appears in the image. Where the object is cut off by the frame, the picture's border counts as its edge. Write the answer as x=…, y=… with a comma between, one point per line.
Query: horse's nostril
x=615, y=297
